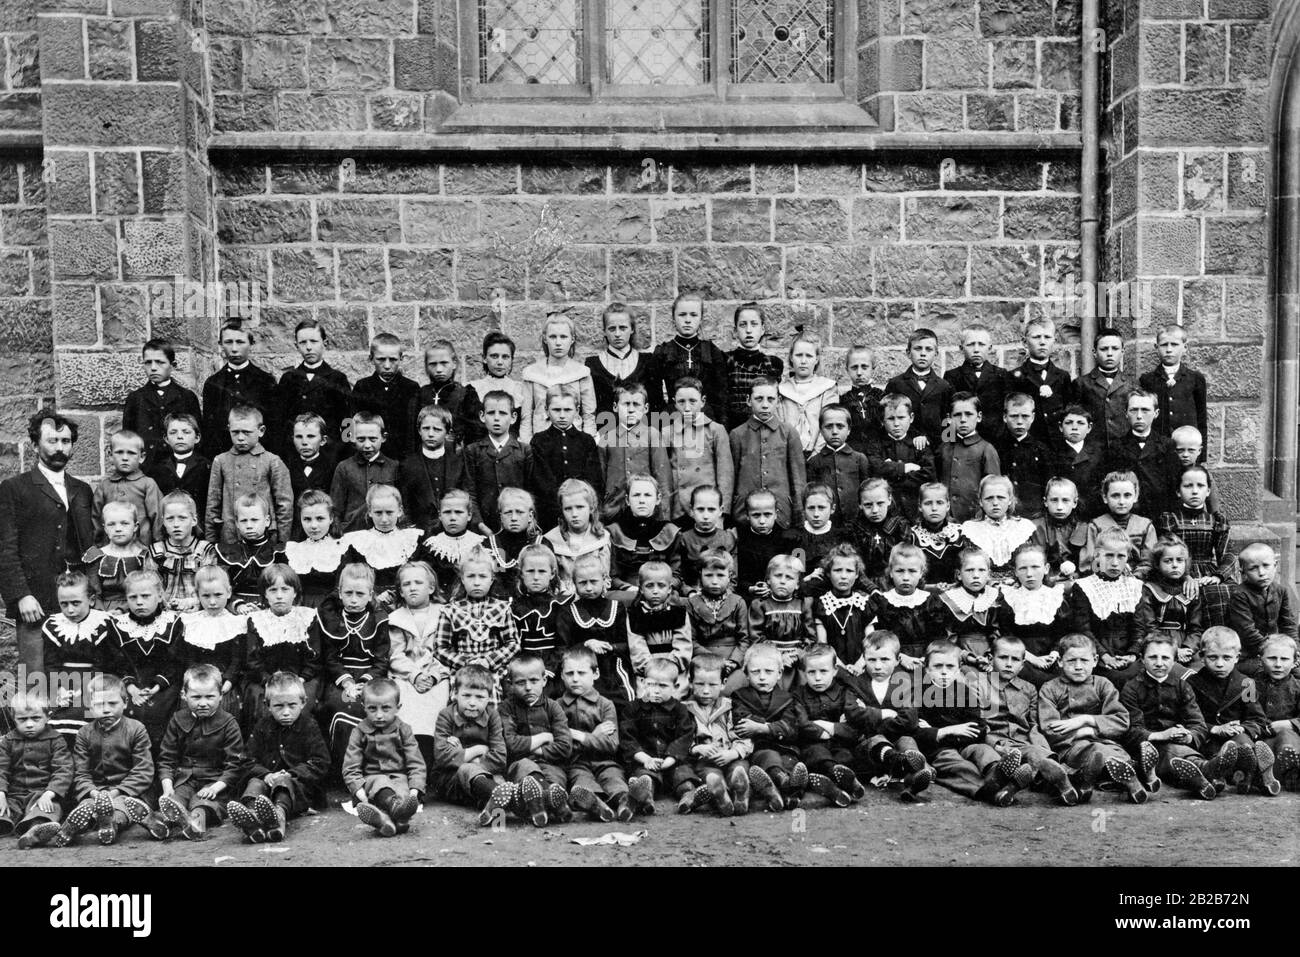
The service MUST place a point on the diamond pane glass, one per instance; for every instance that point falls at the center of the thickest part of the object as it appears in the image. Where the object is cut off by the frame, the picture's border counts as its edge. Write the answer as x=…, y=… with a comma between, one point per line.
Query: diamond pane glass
x=530, y=41
x=782, y=41
x=657, y=42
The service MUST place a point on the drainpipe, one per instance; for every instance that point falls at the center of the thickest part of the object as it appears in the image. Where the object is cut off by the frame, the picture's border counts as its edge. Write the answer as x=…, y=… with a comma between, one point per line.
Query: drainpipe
x=1090, y=109
x=1286, y=288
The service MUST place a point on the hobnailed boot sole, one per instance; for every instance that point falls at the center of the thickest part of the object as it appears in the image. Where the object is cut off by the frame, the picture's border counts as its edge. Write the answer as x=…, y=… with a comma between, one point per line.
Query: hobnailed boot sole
x=40, y=835
x=641, y=791
x=739, y=783
x=372, y=816
x=763, y=788
x=1265, y=762
x=821, y=784
x=1193, y=779
x=264, y=808
x=1216, y=769
x=848, y=782
x=104, y=823
x=533, y=799
x=1148, y=758
x=557, y=804
x=720, y=799
x=503, y=795
x=247, y=821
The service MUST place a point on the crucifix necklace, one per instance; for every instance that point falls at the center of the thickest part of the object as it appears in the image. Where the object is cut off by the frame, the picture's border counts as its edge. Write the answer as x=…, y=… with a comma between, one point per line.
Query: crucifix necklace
x=690, y=351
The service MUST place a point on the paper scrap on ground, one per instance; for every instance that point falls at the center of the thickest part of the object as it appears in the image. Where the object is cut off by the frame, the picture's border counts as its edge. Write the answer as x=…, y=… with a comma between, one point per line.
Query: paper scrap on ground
x=621, y=838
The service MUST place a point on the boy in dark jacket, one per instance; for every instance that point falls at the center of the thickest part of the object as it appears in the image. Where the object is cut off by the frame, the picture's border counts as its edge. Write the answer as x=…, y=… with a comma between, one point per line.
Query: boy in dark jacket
x=289, y=763
x=1233, y=712
x=1279, y=695
x=35, y=773
x=888, y=719
x=953, y=733
x=383, y=768
x=830, y=702
x=201, y=758
x=537, y=743
x=1163, y=711
x=388, y=394
x=148, y=408
x=469, y=747
x=112, y=768
x=561, y=452
x=772, y=719
x=654, y=741
x=1261, y=605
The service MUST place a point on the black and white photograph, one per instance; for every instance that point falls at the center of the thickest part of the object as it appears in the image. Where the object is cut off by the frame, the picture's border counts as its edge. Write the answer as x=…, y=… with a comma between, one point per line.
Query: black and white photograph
x=651, y=433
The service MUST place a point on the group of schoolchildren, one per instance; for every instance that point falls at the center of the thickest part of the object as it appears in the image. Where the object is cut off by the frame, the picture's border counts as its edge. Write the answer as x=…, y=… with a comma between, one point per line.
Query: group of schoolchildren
x=745, y=586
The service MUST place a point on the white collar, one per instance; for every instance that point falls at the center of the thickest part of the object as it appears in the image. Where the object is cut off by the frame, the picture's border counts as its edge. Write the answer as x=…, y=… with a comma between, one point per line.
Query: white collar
x=435, y=454
x=1171, y=371
x=500, y=443
x=240, y=368
x=163, y=385
x=58, y=478
x=182, y=459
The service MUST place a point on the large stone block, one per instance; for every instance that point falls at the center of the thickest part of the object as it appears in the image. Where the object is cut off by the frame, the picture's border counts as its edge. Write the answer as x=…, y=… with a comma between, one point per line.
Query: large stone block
x=956, y=64
x=1205, y=54
x=23, y=226
x=112, y=114
x=647, y=175
x=125, y=315
x=1238, y=493
x=711, y=178
x=240, y=113
x=876, y=219
x=1004, y=271
x=900, y=64
x=1203, y=181
x=1246, y=309
x=950, y=218
x=1229, y=118
x=153, y=249
x=349, y=65
x=741, y=219
x=1038, y=112
x=117, y=184
x=774, y=178
x=1015, y=63
x=1046, y=217
x=897, y=176
x=1235, y=246
x=27, y=373
x=372, y=17
x=348, y=326
x=262, y=222
x=1231, y=371
x=1203, y=309
x=320, y=113
x=486, y=274
x=94, y=380
x=1249, y=53
x=25, y=325
x=420, y=274
x=936, y=272
x=466, y=326
x=362, y=276
x=811, y=220
x=563, y=178
x=226, y=63
x=575, y=273
x=70, y=190
x=1243, y=436
x=414, y=63
x=63, y=55
x=1168, y=246
x=441, y=221
x=109, y=47
x=641, y=273
x=15, y=273
x=358, y=221
x=401, y=114
x=244, y=264
x=164, y=188
x=929, y=112
x=157, y=50
x=985, y=111
x=288, y=16
x=1248, y=172
x=622, y=220
x=942, y=17
x=731, y=272
x=1160, y=55
x=491, y=178
x=20, y=111
x=303, y=275
x=680, y=220
x=306, y=177
x=1022, y=18
x=834, y=179
x=83, y=250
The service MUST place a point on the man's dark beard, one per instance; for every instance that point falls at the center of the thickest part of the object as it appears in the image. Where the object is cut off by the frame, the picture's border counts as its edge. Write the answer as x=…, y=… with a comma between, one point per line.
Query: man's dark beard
x=55, y=460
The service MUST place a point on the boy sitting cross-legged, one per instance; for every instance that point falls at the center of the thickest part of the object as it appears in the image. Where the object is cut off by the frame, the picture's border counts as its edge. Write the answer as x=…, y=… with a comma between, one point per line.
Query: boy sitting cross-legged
x=829, y=697
x=888, y=718
x=1083, y=720
x=383, y=767
x=771, y=718
x=953, y=733
x=289, y=763
x=201, y=757
x=654, y=740
x=469, y=747
x=596, y=781
x=719, y=754
x=537, y=742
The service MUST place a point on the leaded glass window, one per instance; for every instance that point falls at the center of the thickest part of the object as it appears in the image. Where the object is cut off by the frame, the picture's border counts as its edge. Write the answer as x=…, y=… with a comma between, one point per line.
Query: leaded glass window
x=531, y=41
x=657, y=42
x=782, y=41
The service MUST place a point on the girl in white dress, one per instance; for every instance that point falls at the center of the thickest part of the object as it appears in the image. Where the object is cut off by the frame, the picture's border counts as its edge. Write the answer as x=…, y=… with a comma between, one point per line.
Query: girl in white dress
x=412, y=659
x=998, y=532
x=557, y=367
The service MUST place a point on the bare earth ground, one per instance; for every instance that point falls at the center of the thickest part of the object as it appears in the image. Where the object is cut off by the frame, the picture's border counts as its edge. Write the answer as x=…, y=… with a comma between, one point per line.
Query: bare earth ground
x=1171, y=830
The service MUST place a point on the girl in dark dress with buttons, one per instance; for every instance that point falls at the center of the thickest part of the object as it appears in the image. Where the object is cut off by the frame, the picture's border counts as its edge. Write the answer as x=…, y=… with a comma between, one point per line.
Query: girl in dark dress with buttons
x=620, y=365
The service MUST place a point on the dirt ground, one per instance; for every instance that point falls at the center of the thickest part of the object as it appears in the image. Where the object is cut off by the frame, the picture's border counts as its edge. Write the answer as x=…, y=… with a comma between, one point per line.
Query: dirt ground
x=1171, y=830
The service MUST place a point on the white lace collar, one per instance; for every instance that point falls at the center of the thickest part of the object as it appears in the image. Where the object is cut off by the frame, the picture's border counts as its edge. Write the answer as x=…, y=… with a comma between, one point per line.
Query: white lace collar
x=914, y=600
x=64, y=631
x=950, y=533
x=276, y=629
x=998, y=541
x=802, y=393
x=141, y=632
x=833, y=603
x=965, y=604
x=451, y=549
x=321, y=555
x=1108, y=597
x=384, y=549
x=1036, y=607
x=207, y=631
x=542, y=373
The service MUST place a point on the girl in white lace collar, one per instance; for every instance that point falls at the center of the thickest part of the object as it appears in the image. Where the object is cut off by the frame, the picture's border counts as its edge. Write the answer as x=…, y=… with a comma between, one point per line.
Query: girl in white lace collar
x=1036, y=613
x=215, y=636
x=1102, y=606
x=280, y=639
x=384, y=546
x=317, y=558
x=937, y=535
x=999, y=531
x=967, y=612
x=413, y=638
x=446, y=549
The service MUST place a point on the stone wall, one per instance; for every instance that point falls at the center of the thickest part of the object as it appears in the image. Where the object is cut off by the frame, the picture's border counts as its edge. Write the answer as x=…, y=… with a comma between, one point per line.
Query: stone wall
x=853, y=251
x=1188, y=173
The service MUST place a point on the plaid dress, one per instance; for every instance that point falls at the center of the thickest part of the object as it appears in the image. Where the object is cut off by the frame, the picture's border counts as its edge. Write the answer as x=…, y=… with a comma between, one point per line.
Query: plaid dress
x=1206, y=536
x=481, y=632
x=177, y=568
